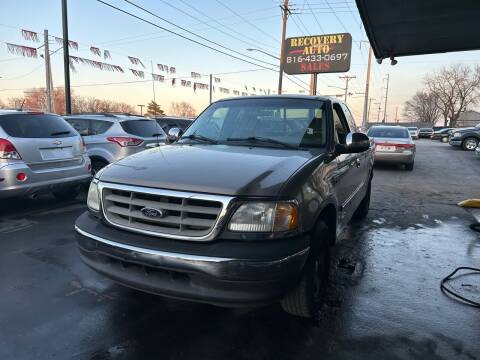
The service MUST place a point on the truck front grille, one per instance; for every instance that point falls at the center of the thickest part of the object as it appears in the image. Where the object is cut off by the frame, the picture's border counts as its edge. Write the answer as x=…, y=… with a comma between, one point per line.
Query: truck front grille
x=162, y=213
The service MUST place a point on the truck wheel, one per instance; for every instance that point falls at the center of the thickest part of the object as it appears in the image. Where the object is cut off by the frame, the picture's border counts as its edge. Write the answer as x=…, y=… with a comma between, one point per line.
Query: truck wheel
x=67, y=194
x=305, y=298
x=470, y=144
x=409, y=167
x=362, y=210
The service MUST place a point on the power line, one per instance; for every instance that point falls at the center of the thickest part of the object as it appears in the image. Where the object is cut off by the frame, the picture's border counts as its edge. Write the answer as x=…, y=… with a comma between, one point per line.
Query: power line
x=246, y=20
x=180, y=35
x=194, y=34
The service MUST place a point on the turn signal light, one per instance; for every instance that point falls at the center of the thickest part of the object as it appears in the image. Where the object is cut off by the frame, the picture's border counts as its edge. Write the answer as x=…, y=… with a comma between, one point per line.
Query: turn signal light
x=8, y=151
x=125, y=141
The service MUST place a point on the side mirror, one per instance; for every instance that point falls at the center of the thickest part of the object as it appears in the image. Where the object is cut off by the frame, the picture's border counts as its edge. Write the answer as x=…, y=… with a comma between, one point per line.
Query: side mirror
x=174, y=134
x=355, y=143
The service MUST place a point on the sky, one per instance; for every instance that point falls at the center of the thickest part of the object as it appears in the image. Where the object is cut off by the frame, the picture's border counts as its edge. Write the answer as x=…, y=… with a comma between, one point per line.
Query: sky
x=238, y=25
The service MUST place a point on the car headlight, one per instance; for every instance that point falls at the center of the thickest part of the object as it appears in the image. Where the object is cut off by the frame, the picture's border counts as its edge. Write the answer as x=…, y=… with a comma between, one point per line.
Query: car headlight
x=457, y=134
x=93, y=197
x=265, y=217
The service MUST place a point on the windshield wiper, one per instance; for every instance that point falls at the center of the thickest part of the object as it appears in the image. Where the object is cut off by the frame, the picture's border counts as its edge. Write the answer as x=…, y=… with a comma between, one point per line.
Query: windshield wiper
x=60, y=133
x=264, y=140
x=201, y=138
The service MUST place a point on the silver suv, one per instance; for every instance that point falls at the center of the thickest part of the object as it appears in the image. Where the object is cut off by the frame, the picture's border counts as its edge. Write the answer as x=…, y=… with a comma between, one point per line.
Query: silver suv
x=40, y=153
x=111, y=137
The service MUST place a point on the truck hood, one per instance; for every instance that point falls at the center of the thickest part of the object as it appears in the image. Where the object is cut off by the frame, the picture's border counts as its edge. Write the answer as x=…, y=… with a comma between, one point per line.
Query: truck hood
x=216, y=169
x=467, y=129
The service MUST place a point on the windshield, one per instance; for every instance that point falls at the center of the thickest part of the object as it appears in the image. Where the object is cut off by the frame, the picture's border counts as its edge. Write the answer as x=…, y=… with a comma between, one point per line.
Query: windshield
x=397, y=133
x=295, y=122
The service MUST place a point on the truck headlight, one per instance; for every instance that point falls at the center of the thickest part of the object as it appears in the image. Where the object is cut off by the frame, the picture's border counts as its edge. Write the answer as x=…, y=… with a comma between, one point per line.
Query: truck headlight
x=93, y=197
x=457, y=135
x=265, y=217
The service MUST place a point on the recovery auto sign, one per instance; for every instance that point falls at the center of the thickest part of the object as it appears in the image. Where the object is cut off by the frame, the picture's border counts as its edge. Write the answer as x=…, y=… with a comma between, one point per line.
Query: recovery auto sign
x=318, y=54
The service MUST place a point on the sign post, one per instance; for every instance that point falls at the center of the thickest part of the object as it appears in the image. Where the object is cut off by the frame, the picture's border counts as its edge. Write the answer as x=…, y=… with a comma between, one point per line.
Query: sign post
x=316, y=54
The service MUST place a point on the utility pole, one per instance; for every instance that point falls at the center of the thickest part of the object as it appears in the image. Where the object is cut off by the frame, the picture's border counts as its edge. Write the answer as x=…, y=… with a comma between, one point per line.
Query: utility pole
x=313, y=84
x=286, y=11
x=48, y=85
x=66, y=59
x=153, y=82
x=211, y=87
x=368, y=112
x=141, y=109
x=386, y=99
x=379, y=109
x=347, y=79
x=367, y=85
x=396, y=114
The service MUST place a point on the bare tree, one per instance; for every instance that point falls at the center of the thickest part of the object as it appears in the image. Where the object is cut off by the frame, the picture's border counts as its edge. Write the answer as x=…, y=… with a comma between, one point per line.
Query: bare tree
x=182, y=109
x=422, y=107
x=36, y=99
x=2, y=104
x=455, y=89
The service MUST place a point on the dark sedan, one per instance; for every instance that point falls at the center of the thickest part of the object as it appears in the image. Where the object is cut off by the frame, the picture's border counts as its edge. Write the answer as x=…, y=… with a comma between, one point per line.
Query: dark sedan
x=442, y=134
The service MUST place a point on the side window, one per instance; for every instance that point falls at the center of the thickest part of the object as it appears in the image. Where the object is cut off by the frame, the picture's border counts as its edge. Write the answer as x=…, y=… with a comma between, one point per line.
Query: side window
x=341, y=127
x=99, y=127
x=81, y=125
x=350, y=119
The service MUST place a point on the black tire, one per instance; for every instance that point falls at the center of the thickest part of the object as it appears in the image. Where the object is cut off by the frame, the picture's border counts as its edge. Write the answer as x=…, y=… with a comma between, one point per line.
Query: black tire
x=67, y=194
x=98, y=164
x=469, y=144
x=409, y=167
x=305, y=299
x=362, y=210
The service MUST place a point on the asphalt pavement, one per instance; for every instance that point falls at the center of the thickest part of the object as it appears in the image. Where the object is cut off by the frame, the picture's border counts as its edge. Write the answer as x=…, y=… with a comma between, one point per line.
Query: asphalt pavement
x=384, y=299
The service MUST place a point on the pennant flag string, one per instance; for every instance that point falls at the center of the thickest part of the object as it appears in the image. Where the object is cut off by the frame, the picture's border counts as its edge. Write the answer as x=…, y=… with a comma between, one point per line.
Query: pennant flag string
x=72, y=44
x=106, y=54
x=224, y=90
x=95, y=51
x=135, y=61
x=22, y=50
x=138, y=73
x=186, y=83
x=216, y=79
x=94, y=63
x=195, y=75
x=30, y=35
x=159, y=78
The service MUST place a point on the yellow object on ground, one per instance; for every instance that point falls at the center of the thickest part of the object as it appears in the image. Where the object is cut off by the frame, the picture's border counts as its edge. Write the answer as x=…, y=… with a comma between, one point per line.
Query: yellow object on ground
x=470, y=203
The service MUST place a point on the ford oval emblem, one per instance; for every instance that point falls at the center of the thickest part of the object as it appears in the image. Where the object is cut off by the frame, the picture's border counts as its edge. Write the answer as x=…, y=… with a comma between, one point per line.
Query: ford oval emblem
x=152, y=212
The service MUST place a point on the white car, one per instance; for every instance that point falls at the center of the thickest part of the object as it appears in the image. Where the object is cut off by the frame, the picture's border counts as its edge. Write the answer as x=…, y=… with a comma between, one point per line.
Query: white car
x=413, y=132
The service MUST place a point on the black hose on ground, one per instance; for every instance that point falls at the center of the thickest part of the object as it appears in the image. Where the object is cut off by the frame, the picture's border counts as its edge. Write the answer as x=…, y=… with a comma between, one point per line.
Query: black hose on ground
x=446, y=290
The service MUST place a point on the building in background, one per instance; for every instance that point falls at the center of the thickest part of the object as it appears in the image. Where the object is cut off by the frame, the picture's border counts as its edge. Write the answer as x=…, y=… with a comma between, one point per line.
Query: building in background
x=468, y=119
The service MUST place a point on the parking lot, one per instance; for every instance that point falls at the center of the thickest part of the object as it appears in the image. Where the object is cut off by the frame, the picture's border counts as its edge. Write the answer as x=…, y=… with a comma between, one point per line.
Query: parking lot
x=384, y=300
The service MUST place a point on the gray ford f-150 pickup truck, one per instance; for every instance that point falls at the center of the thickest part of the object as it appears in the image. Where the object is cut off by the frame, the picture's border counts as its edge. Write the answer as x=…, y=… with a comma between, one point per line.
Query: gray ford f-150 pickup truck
x=241, y=209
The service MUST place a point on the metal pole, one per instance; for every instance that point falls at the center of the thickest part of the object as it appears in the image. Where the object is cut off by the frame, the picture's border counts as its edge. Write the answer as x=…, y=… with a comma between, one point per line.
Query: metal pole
x=141, y=109
x=378, y=114
x=48, y=87
x=367, y=85
x=313, y=84
x=211, y=87
x=153, y=83
x=396, y=114
x=368, y=112
x=386, y=99
x=66, y=59
x=282, y=50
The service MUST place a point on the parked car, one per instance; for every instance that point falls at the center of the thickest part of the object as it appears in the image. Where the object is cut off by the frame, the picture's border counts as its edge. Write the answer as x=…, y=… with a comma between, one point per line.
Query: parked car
x=242, y=209
x=467, y=138
x=40, y=153
x=111, y=137
x=425, y=132
x=168, y=122
x=443, y=134
x=393, y=144
x=413, y=132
